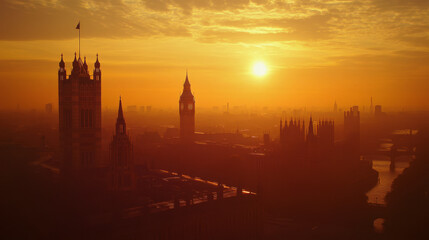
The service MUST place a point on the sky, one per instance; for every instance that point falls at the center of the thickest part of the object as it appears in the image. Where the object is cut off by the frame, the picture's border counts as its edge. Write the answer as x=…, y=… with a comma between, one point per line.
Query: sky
x=316, y=52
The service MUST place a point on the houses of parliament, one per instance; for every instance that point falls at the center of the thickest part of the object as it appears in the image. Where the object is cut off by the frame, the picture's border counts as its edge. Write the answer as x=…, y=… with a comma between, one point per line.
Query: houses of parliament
x=79, y=96
x=167, y=191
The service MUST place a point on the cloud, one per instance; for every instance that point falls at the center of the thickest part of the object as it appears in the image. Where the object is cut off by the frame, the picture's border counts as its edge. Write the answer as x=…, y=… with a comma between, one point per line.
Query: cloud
x=38, y=20
x=419, y=41
x=310, y=28
x=189, y=5
x=413, y=62
x=359, y=24
x=401, y=4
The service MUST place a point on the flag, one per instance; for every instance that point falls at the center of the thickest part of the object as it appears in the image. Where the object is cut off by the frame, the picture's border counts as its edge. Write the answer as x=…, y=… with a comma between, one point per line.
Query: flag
x=78, y=26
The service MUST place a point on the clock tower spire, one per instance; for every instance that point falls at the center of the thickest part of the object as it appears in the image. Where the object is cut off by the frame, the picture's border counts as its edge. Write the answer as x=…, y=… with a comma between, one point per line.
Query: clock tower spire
x=187, y=111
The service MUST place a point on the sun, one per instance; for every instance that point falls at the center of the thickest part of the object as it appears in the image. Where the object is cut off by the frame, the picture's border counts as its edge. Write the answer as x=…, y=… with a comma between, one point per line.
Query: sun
x=259, y=69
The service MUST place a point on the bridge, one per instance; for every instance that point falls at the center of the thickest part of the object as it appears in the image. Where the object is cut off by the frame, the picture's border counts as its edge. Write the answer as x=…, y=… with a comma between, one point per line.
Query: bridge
x=377, y=210
x=402, y=145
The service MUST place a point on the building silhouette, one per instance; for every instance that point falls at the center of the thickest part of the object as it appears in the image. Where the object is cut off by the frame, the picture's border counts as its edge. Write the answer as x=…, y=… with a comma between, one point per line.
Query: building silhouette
x=335, y=107
x=48, y=108
x=352, y=133
x=121, y=156
x=187, y=112
x=79, y=98
x=377, y=111
x=292, y=135
x=299, y=143
x=371, y=107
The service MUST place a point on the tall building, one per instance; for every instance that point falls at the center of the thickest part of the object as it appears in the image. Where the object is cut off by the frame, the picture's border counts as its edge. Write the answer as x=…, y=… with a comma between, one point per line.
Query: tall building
x=352, y=132
x=187, y=112
x=121, y=156
x=48, y=108
x=378, y=112
x=335, y=107
x=79, y=98
x=371, y=107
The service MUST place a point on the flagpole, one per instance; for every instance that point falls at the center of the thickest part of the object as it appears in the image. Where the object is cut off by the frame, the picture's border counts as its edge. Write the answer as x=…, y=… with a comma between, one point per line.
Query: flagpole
x=79, y=39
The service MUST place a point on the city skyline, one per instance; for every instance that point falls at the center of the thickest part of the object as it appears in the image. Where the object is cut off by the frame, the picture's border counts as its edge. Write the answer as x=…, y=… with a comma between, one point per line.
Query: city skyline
x=315, y=52
x=214, y=119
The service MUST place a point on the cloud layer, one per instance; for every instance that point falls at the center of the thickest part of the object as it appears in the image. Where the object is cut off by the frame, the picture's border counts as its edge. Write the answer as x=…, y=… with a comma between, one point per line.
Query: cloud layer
x=235, y=21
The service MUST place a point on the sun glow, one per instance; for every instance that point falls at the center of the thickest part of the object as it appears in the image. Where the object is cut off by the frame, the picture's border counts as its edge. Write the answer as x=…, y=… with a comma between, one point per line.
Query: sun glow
x=259, y=69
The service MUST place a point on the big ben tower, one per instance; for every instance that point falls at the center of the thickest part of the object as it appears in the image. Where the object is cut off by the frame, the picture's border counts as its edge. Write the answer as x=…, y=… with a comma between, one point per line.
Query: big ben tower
x=187, y=112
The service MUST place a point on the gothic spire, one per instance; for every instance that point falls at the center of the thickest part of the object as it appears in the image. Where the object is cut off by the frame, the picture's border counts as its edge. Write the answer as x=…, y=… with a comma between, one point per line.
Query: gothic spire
x=187, y=84
x=310, y=127
x=84, y=64
x=120, y=121
x=97, y=63
x=62, y=64
x=120, y=112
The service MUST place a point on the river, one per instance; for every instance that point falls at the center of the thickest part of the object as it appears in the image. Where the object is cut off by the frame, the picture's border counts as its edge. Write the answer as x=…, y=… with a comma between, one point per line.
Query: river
x=378, y=193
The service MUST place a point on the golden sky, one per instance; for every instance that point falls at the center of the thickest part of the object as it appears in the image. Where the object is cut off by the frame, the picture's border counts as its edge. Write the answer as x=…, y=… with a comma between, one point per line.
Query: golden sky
x=316, y=51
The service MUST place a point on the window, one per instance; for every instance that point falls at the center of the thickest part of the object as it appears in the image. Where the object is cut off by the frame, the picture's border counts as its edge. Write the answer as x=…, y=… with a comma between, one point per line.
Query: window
x=86, y=118
x=87, y=158
x=90, y=121
x=82, y=118
x=67, y=118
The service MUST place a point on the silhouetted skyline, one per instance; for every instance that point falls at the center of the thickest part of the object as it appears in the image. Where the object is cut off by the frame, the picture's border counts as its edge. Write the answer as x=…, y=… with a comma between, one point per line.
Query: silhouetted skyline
x=305, y=119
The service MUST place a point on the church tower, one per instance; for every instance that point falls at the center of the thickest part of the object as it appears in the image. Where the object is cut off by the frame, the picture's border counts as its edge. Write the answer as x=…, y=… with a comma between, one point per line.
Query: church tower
x=121, y=156
x=79, y=100
x=187, y=112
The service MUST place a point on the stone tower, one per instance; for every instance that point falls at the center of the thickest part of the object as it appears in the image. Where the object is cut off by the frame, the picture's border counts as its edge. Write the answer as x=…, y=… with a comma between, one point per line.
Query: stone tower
x=79, y=98
x=121, y=156
x=187, y=112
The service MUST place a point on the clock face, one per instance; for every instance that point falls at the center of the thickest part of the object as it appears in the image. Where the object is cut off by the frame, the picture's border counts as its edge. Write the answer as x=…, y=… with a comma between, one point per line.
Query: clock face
x=182, y=106
x=190, y=106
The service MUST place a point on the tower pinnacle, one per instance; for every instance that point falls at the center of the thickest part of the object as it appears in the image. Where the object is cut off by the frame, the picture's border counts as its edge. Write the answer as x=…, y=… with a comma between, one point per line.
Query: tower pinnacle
x=310, y=127
x=62, y=64
x=120, y=121
x=120, y=112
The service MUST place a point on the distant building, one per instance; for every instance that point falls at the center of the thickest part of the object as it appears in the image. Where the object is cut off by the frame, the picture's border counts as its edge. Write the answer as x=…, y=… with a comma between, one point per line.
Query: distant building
x=352, y=132
x=79, y=98
x=132, y=108
x=335, y=107
x=377, y=111
x=295, y=141
x=142, y=109
x=371, y=107
x=171, y=132
x=187, y=112
x=121, y=156
x=267, y=139
x=292, y=135
x=48, y=108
